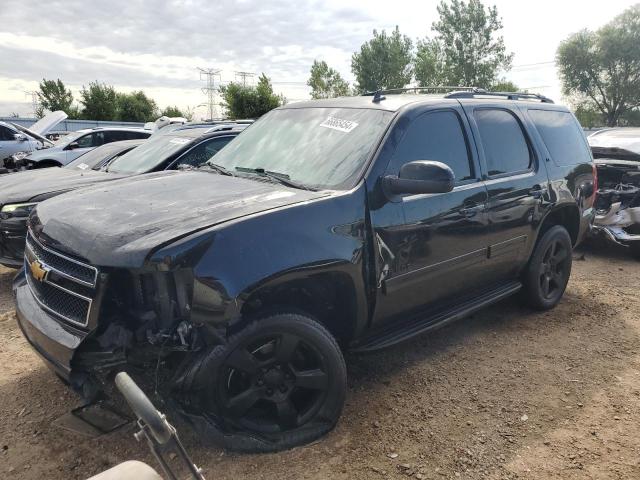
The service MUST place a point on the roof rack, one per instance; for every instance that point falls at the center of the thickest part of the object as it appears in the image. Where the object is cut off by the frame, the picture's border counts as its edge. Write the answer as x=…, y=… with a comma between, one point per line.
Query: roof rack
x=437, y=89
x=480, y=92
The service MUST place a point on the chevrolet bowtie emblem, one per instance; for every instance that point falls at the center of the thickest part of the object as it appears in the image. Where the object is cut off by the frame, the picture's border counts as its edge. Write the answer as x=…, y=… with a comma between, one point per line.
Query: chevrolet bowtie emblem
x=38, y=270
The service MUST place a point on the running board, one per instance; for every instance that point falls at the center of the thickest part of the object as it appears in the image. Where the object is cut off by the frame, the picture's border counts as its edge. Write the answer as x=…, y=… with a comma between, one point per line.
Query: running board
x=417, y=326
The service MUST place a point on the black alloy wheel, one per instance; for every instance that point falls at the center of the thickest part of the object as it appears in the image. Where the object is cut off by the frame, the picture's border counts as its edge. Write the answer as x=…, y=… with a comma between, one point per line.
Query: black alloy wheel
x=277, y=383
x=549, y=269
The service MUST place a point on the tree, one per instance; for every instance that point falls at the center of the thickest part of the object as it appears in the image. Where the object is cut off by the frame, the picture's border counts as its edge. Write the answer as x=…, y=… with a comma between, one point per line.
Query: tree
x=250, y=102
x=99, y=102
x=53, y=95
x=325, y=82
x=172, y=111
x=465, y=50
x=504, y=86
x=136, y=107
x=588, y=115
x=383, y=62
x=604, y=66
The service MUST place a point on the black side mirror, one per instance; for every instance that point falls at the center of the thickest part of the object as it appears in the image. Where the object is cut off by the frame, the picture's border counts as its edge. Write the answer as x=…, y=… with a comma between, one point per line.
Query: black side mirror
x=73, y=146
x=419, y=177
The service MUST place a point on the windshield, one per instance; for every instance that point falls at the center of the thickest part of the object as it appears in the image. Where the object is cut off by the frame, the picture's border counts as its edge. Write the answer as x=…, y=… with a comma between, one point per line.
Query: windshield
x=96, y=158
x=149, y=155
x=317, y=147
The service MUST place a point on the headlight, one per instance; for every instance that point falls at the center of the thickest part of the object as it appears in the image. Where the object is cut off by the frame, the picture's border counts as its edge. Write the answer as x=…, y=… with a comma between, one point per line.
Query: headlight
x=18, y=209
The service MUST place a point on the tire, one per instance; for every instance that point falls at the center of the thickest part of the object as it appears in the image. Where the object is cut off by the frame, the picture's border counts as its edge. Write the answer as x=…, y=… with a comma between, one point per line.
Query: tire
x=634, y=248
x=549, y=269
x=278, y=383
x=45, y=164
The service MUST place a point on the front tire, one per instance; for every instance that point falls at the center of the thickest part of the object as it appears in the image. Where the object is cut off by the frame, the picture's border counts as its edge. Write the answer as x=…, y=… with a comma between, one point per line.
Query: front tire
x=278, y=383
x=549, y=269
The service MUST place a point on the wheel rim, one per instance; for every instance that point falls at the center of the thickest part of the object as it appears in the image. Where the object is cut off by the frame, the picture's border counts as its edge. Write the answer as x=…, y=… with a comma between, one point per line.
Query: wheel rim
x=273, y=384
x=553, y=270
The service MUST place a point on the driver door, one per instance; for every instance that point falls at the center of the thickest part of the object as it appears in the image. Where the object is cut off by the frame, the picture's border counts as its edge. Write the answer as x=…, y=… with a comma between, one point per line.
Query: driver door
x=432, y=247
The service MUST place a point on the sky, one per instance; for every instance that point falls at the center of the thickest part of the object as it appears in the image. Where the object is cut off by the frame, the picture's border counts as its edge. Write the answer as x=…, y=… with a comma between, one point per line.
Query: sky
x=157, y=46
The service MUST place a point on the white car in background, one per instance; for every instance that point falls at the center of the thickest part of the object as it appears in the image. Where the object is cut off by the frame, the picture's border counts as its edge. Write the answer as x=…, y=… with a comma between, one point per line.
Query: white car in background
x=15, y=138
x=71, y=146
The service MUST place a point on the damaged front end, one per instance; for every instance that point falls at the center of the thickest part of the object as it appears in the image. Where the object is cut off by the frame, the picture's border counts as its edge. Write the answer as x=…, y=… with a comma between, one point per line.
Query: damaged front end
x=618, y=200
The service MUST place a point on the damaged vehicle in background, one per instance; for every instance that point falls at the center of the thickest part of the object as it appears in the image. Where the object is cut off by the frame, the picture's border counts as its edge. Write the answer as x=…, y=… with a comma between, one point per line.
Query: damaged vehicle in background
x=187, y=146
x=352, y=223
x=16, y=141
x=617, y=157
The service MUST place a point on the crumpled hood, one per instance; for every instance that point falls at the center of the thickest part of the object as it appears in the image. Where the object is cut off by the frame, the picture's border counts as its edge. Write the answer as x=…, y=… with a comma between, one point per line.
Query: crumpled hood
x=24, y=186
x=119, y=224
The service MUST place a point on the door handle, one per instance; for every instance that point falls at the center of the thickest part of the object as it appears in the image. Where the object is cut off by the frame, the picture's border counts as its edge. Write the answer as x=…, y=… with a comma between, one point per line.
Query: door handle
x=537, y=191
x=471, y=210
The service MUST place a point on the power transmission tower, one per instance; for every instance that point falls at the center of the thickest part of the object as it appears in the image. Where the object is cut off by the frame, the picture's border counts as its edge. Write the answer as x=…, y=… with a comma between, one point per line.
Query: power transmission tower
x=210, y=74
x=35, y=102
x=244, y=76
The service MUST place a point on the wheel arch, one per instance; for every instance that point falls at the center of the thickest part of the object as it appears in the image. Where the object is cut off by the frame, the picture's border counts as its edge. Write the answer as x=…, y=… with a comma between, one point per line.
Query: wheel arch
x=567, y=215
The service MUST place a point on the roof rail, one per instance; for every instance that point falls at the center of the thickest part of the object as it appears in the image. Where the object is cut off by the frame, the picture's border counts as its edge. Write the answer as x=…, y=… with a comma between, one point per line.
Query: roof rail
x=480, y=92
x=378, y=93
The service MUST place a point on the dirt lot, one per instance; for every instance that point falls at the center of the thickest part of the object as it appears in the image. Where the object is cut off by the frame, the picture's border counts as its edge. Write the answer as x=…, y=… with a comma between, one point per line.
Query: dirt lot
x=506, y=394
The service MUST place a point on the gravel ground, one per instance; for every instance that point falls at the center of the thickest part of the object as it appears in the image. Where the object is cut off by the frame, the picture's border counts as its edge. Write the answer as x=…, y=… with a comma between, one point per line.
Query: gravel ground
x=508, y=393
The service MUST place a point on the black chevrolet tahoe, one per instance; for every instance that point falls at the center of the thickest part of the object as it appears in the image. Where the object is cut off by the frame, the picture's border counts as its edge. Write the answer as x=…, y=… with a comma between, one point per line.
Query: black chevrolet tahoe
x=331, y=225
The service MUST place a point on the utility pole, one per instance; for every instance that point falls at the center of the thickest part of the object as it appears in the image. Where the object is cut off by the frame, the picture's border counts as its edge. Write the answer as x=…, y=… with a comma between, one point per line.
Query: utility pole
x=210, y=74
x=244, y=76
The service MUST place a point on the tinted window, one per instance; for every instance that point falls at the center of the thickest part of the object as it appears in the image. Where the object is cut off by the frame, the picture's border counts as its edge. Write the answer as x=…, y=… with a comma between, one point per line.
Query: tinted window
x=115, y=136
x=435, y=136
x=562, y=136
x=136, y=135
x=203, y=152
x=91, y=140
x=6, y=134
x=505, y=148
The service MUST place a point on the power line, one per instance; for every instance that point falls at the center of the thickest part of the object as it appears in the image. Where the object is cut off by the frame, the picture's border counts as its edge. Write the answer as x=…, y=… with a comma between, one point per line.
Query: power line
x=244, y=76
x=210, y=90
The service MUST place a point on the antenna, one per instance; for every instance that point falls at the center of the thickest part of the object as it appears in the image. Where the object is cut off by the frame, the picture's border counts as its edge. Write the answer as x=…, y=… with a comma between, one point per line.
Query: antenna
x=210, y=74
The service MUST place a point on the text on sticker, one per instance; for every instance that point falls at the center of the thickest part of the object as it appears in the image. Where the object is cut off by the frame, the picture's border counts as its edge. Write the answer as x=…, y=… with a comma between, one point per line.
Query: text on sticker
x=339, y=124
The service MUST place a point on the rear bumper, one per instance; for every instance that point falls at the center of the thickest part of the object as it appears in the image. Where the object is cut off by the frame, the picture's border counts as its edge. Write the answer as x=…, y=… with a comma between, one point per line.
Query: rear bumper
x=54, y=343
x=13, y=234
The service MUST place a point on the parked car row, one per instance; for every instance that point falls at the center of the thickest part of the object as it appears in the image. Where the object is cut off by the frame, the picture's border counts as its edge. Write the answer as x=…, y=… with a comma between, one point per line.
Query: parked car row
x=235, y=283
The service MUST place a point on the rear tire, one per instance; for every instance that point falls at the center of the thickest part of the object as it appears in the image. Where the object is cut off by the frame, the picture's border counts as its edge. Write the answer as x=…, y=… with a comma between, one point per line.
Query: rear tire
x=278, y=383
x=549, y=269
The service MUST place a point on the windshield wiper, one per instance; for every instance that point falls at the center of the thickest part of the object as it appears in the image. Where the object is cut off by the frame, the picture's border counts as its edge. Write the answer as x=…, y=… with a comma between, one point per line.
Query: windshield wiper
x=218, y=168
x=283, y=178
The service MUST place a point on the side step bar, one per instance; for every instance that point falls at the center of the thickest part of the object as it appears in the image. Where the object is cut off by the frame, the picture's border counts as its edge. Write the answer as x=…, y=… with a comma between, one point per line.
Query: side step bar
x=417, y=326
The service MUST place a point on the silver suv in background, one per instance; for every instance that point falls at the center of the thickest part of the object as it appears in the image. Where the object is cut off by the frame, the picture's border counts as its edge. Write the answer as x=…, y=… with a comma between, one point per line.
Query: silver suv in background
x=70, y=147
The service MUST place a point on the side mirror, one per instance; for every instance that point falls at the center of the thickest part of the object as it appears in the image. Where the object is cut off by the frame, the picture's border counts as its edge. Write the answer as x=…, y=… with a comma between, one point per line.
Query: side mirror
x=20, y=137
x=73, y=146
x=419, y=177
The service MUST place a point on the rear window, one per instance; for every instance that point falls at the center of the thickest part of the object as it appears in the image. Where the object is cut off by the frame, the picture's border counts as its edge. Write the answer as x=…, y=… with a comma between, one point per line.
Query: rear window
x=562, y=136
x=505, y=148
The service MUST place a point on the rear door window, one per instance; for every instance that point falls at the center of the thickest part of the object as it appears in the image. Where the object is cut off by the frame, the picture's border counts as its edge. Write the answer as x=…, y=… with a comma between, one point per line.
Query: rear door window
x=562, y=136
x=436, y=136
x=505, y=147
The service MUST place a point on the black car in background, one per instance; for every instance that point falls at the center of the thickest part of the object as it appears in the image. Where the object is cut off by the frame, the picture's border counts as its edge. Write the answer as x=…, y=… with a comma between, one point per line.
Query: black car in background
x=351, y=223
x=185, y=145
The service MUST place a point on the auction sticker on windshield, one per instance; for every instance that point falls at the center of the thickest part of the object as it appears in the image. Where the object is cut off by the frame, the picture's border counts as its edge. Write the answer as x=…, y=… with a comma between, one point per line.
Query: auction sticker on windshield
x=339, y=124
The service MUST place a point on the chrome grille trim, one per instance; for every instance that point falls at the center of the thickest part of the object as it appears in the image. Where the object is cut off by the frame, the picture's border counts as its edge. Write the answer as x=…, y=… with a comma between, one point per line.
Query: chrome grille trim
x=61, y=304
x=93, y=283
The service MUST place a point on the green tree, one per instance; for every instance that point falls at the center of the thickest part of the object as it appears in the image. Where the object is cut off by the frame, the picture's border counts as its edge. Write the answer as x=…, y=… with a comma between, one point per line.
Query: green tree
x=383, y=62
x=136, y=107
x=172, y=111
x=99, y=101
x=588, y=115
x=248, y=101
x=53, y=96
x=325, y=82
x=504, y=86
x=466, y=49
x=603, y=67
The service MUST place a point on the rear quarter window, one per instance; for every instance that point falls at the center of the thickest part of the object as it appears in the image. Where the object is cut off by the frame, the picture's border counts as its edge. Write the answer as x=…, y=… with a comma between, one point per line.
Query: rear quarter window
x=562, y=136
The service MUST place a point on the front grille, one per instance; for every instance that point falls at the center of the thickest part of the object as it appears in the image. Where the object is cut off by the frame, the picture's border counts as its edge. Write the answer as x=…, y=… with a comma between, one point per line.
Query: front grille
x=64, y=286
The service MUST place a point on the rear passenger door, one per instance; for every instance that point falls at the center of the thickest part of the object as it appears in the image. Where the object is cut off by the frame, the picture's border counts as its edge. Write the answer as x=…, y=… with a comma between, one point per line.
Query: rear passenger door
x=517, y=184
x=432, y=247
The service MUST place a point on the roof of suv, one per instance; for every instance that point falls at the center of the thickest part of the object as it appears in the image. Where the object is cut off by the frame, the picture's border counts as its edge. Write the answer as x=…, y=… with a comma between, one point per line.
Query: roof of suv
x=395, y=99
x=195, y=131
